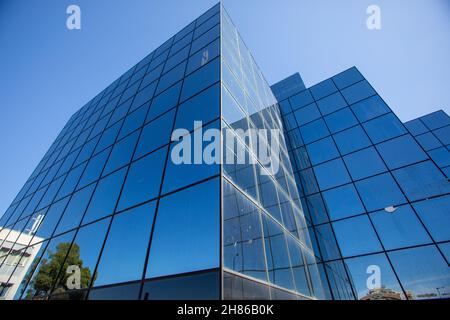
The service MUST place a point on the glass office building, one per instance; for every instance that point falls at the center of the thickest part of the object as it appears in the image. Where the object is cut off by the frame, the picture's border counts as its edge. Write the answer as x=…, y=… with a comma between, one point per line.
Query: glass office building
x=375, y=192
x=110, y=212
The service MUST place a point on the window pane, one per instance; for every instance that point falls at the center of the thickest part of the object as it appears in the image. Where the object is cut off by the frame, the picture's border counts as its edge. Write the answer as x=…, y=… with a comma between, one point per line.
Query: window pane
x=441, y=156
x=356, y=236
x=348, y=77
x=143, y=180
x=428, y=141
x=181, y=43
x=341, y=120
x=343, y=202
x=361, y=268
x=443, y=134
x=314, y=131
x=71, y=181
x=173, y=61
x=400, y=228
x=203, y=107
x=380, y=192
x=278, y=262
x=307, y=114
x=436, y=120
x=108, y=137
x=323, y=89
x=51, y=193
x=435, y=214
x=308, y=181
x=364, y=163
x=133, y=121
x=410, y=152
x=85, y=153
x=201, y=79
x=187, y=230
x=322, y=150
x=317, y=209
x=48, y=269
x=384, y=128
x=171, y=77
x=206, y=38
x=94, y=168
x=327, y=242
x=331, y=174
x=183, y=174
x=155, y=134
x=412, y=180
x=105, y=197
x=75, y=210
x=416, y=127
x=370, y=108
x=164, y=102
x=123, y=257
x=331, y=103
x=84, y=254
x=243, y=243
x=203, y=286
x=302, y=99
x=121, y=153
x=50, y=220
x=285, y=107
x=358, y=91
x=143, y=96
x=434, y=280
x=351, y=140
x=203, y=57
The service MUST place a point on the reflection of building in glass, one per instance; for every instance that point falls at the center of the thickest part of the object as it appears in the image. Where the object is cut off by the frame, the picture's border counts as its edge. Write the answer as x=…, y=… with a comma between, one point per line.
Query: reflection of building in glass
x=108, y=202
x=382, y=294
x=15, y=255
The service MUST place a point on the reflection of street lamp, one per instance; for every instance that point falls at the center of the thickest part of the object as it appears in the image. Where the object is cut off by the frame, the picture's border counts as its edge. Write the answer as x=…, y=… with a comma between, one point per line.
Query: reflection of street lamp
x=438, y=289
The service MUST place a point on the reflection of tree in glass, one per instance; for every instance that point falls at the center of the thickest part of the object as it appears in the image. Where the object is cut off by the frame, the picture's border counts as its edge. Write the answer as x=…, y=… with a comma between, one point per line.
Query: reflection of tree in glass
x=49, y=271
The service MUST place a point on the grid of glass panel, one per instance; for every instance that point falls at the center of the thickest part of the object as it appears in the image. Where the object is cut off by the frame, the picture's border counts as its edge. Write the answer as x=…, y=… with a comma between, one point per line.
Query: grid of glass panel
x=264, y=231
x=371, y=192
x=106, y=197
x=432, y=132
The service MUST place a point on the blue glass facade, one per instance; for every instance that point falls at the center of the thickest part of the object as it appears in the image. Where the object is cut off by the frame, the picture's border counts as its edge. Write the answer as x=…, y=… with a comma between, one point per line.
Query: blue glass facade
x=109, y=214
x=375, y=191
x=109, y=200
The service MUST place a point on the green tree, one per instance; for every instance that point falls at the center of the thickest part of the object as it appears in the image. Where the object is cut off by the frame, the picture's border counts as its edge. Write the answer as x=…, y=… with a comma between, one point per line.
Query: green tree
x=53, y=271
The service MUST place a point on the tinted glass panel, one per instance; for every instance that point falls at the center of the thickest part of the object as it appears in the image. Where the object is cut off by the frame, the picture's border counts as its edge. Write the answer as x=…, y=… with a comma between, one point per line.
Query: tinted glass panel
x=413, y=178
x=186, y=235
x=105, y=196
x=379, y=192
x=331, y=174
x=123, y=257
x=400, y=228
x=356, y=236
x=361, y=268
x=343, y=202
x=410, y=152
x=144, y=179
x=435, y=214
x=384, y=128
x=434, y=279
x=364, y=163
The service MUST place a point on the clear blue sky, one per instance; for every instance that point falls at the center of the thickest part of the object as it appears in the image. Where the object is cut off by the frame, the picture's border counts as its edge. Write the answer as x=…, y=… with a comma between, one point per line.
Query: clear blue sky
x=47, y=72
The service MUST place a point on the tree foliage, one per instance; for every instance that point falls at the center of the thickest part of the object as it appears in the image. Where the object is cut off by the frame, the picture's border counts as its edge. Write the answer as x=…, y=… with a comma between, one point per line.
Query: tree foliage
x=52, y=271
